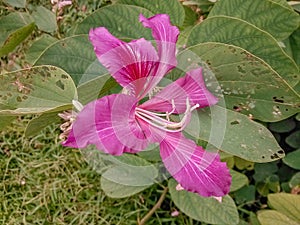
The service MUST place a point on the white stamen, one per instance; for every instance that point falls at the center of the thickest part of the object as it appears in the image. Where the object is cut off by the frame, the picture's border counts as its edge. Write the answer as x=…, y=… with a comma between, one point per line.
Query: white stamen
x=77, y=105
x=156, y=120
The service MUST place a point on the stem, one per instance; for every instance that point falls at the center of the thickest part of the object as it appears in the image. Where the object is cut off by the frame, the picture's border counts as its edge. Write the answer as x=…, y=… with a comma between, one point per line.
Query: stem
x=154, y=208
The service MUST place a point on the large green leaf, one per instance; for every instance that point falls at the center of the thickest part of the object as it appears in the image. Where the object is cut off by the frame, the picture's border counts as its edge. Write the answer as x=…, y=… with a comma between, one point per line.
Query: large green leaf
x=248, y=83
x=45, y=119
x=45, y=19
x=131, y=171
x=116, y=190
x=277, y=20
x=238, y=180
x=234, y=133
x=123, y=175
x=38, y=47
x=16, y=38
x=240, y=33
x=121, y=20
x=35, y=90
x=272, y=217
x=170, y=7
x=207, y=210
x=287, y=208
x=95, y=88
x=76, y=56
x=295, y=45
x=13, y=22
x=287, y=204
x=293, y=159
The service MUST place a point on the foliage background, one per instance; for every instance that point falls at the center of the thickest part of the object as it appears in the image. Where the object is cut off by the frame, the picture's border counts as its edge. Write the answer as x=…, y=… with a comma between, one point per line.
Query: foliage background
x=43, y=183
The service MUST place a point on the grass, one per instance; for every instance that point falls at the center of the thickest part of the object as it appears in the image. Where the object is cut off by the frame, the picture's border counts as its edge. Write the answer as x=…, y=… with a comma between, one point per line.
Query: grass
x=45, y=183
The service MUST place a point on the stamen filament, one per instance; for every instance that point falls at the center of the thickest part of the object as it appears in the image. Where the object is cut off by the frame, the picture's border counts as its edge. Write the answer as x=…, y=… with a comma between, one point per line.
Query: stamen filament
x=155, y=119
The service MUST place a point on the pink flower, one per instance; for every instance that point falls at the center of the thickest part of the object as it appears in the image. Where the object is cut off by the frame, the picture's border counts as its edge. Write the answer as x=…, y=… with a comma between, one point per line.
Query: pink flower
x=119, y=123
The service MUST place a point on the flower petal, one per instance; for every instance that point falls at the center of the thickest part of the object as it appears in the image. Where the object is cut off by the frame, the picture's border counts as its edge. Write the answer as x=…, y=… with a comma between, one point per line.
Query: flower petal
x=165, y=36
x=133, y=65
x=195, y=170
x=110, y=124
x=190, y=86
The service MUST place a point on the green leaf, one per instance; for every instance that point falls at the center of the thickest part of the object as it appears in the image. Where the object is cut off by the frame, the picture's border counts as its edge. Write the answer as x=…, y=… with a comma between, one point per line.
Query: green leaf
x=47, y=118
x=129, y=172
x=16, y=38
x=16, y=3
x=243, y=164
x=293, y=159
x=293, y=139
x=76, y=56
x=238, y=180
x=129, y=175
x=207, y=210
x=283, y=126
x=283, y=3
x=272, y=217
x=287, y=204
x=35, y=90
x=245, y=194
x=264, y=170
x=5, y=121
x=249, y=84
x=295, y=44
x=295, y=180
x=225, y=157
x=95, y=88
x=110, y=17
x=38, y=47
x=116, y=190
x=45, y=19
x=13, y=22
x=172, y=7
x=271, y=17
x=240, y=33
x=235, y=134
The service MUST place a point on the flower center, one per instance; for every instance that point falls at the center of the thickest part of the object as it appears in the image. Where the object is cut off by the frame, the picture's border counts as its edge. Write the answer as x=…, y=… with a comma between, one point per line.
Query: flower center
x=162, y=120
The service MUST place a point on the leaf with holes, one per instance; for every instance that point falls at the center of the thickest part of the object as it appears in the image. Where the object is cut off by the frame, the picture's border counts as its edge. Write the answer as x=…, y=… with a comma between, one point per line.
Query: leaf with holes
x=76, y=56
x=35, y=90
x=240, y=33
x=249, y=84
x=208, y=210
x=269, y=16
x=234, y=133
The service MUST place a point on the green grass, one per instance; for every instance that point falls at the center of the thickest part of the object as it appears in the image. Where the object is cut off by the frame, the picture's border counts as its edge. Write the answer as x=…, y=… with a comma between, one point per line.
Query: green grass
x=45, y=183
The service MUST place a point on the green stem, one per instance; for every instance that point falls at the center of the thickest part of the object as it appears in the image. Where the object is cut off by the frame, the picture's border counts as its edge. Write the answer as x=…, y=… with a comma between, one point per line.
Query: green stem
x=154, y=208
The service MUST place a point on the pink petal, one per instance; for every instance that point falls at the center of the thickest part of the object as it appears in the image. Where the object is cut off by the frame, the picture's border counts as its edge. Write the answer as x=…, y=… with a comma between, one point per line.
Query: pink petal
x=194, y=169
x=110, y=124
x=133, y=65
x=165, y=36
x=190, y=86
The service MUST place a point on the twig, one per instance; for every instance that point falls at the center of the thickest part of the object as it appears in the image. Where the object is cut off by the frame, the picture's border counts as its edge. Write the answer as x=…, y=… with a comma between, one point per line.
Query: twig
x=154, y=208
